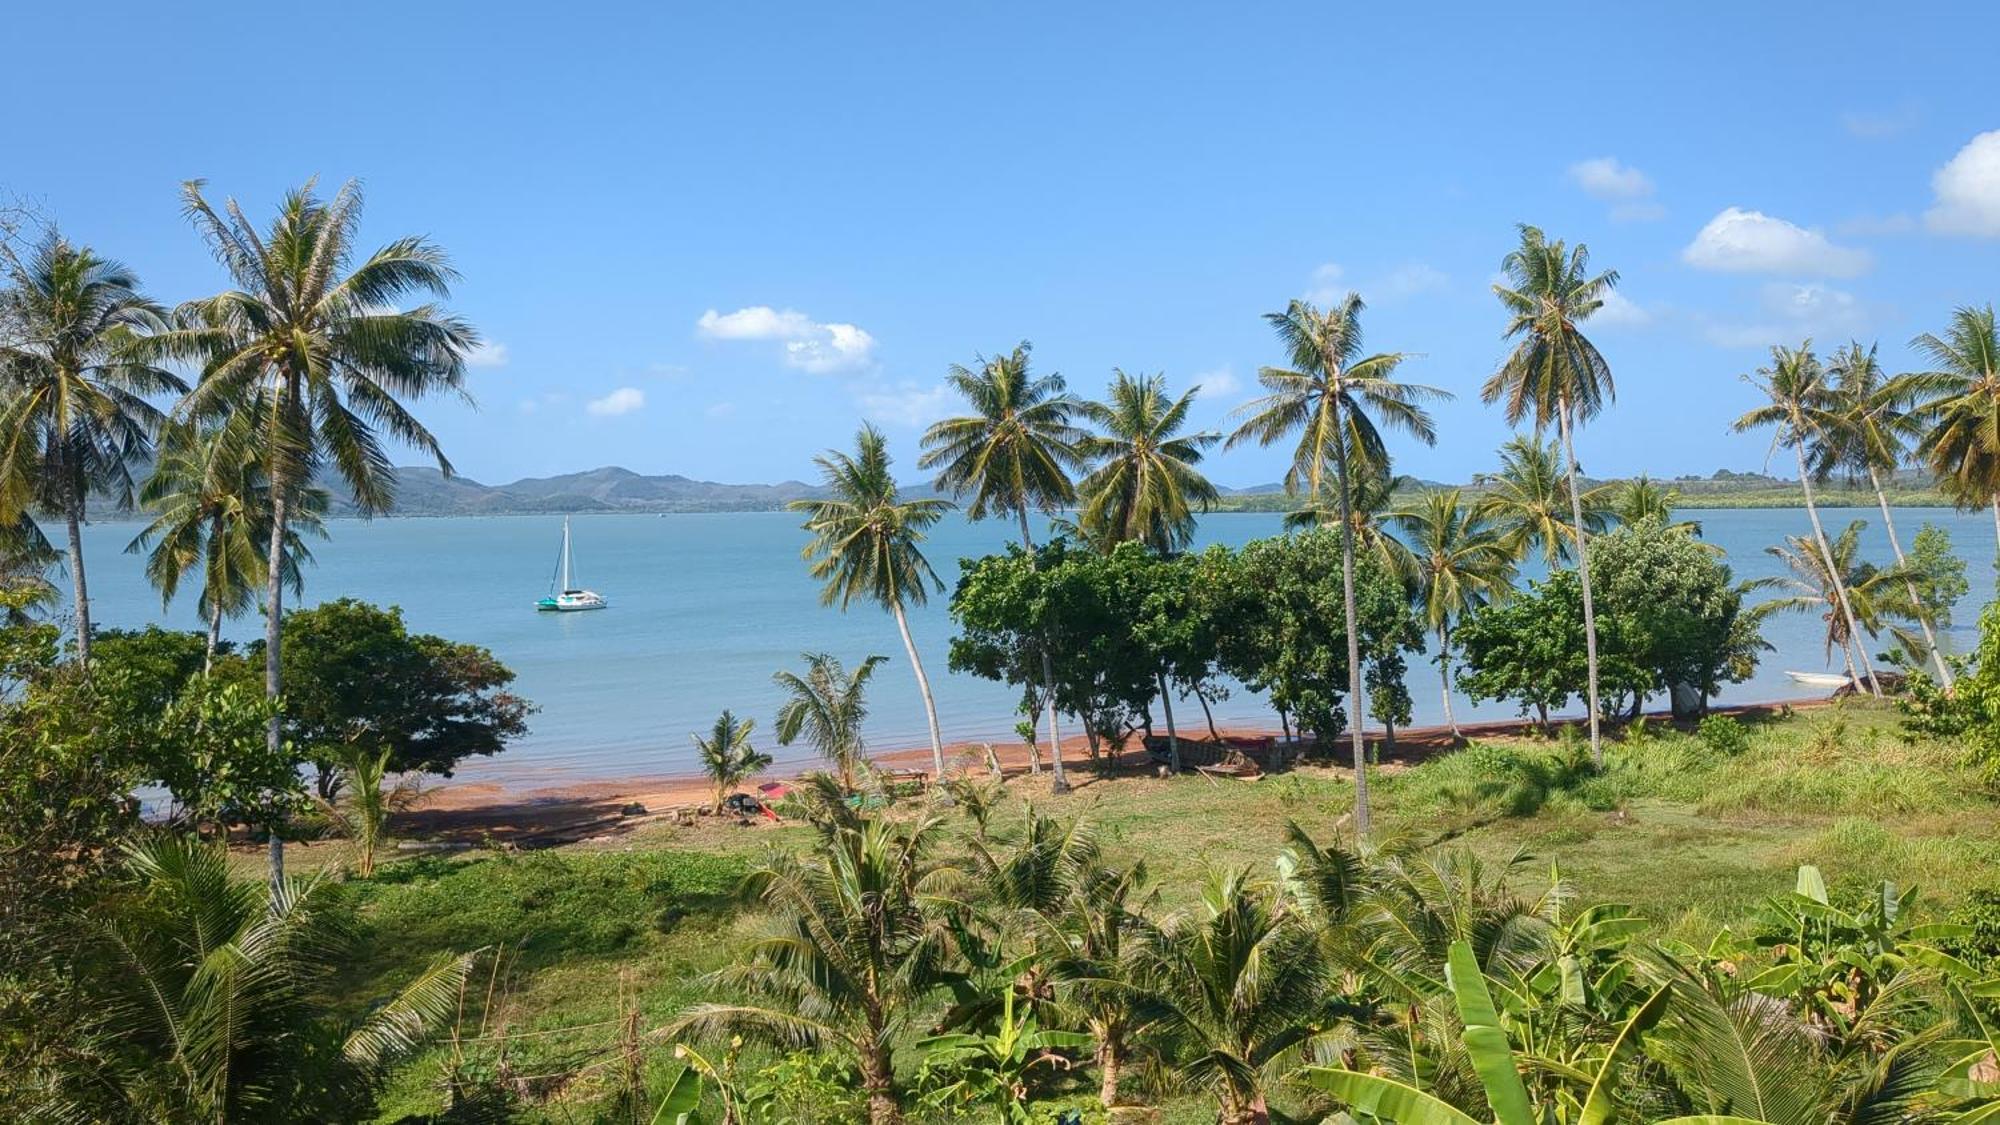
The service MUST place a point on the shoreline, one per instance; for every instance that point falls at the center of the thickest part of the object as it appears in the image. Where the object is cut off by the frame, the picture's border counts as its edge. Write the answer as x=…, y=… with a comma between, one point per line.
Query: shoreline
x=536, y=815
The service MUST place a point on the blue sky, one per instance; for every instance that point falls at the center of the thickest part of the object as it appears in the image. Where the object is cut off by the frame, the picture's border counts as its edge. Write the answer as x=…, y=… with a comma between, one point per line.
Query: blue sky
x=711, y=239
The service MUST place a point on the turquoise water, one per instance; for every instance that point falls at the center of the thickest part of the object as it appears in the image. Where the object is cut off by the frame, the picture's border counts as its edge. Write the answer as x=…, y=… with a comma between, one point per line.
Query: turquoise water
x=705, y=607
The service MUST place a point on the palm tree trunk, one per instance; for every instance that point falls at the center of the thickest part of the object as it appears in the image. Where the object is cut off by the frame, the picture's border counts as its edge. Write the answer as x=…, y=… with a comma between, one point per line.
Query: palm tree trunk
x=1444, y=675
x=1173, y=736
x=1923, y=617
x=73, y=515
x=1061, y=784
x=1996, y=517
x=214, y=638
x=1847, y=654
x=1833, y=574
x=876, y=1078
x=924, y=688
x=274, y=614
x=1110, y=1061
x=1583, y=573
x=1354, y=701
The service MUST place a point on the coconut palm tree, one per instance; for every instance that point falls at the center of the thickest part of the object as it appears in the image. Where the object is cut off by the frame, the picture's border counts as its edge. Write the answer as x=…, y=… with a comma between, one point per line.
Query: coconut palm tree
x=1640, y=499
x=1461, y=562
x=1369, y=509
x=316, y=348
x=1805, y=412
x=73, y=390
x=1555, y=375
x=827, y=706
x=1528, y=501
x=1239, y=982
x=859, y=939
x=211, y=507
x=225, y=1009
x=369, y=797
x=1873, y=426
x=1855, y=598
x=1326, y=397
x=1960, y=408
x=727, y=756
x=25, y=560
x=1014, y=453
x=1146, y=486
x=867, y=542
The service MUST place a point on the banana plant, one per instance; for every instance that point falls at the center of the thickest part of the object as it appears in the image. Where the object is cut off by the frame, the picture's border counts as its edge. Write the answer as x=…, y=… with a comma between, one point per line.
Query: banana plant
x=1972, y=1078
x=996, y=1068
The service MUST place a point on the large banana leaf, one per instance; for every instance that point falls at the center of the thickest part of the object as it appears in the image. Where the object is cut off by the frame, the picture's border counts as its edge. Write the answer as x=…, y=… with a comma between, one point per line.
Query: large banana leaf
x=1383, y=1098
x=1599, y=1107
x=1485, y=1041
x=678, y=1107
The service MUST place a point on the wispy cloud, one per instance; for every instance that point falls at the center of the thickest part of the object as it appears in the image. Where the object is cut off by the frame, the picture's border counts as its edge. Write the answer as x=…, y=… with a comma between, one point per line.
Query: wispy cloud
x=903, y=404
x=1627, y=189
x=1876, y=125
x=1214, y=384
x=816, y=347
x=1330, y=284
x=487, y=354
x=1620, y=311
x=1789, y=314
x=1968, y=190
x=1740, y=241
x=624, y=400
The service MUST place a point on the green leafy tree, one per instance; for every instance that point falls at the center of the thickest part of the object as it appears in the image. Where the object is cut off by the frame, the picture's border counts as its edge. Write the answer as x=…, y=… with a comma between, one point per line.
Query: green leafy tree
x=210, y=754
x=1146, y=487
x=74, y=414
x=727, y=756
x=1672, y=609
x=1015, y=452
x=1939, y=574
x=1957, y=400
x=1531, y=649
x=1327, y=397
x=867, y=542
x=1556, y=376
x=827, y=707
x=1461, y=562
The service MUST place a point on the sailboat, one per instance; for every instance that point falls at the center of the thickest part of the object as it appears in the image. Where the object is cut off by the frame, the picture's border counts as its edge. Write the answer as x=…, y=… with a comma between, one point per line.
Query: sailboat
x=566, y=598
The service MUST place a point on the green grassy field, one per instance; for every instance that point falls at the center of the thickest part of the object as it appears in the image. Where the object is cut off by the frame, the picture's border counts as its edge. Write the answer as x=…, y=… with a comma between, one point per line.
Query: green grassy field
x=1691, y=835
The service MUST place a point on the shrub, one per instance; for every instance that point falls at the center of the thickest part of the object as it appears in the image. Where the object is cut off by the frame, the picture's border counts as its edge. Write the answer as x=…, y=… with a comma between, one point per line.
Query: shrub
x=1723, y=735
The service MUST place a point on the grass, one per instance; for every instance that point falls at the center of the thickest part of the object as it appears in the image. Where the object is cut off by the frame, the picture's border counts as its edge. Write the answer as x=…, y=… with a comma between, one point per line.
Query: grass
x=1693, y=836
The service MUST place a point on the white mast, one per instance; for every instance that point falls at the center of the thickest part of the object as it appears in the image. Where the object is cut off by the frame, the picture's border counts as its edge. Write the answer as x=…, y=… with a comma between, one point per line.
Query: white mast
x=565, y=582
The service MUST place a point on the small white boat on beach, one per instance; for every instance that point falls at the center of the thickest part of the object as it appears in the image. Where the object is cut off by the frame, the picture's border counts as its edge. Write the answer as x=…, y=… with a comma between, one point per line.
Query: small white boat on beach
x=566, y=597
x=1827, y=680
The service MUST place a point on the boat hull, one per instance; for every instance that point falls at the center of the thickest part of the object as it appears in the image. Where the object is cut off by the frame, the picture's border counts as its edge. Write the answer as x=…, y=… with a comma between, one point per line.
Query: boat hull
x=580, y=602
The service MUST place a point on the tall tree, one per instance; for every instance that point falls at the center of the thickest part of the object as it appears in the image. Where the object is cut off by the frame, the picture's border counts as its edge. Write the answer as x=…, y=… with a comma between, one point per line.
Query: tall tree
x=1326, y=398
x=1556, y=375
x=1821, y=580
x=1146, y=486
x=74, y=414
x=827, y=706
x=1874, y=424
x=1014, y=453
x=867, y=542
x=1805, y=412
x=323, y=357
x=1960, y=411
x=1370, y=509
x=1528, y=501
x=1461, y=563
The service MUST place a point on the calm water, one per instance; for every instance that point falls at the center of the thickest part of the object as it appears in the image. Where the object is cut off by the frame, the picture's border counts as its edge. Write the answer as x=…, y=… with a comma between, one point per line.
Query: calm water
x=705, y=607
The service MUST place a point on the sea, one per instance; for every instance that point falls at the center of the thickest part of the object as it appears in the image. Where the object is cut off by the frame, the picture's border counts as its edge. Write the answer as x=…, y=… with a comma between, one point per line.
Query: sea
x=704, y=608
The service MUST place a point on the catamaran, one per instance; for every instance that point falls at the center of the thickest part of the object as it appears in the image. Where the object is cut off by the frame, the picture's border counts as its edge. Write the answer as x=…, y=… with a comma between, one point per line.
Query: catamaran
x=566, y=598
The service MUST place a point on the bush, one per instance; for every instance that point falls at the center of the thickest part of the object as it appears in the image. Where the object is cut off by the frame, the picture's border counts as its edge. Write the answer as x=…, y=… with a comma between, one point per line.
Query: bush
x=1723, y=735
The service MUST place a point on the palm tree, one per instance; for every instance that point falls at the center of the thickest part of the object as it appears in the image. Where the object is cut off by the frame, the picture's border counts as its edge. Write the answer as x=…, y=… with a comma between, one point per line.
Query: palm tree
x=859, y=938
x=321, y=357
x=1639, y=500
x=226, y=1009
x=74, y=414
x=368, y=799
x=1014, y=453
x=25, y=559
x=1873, y=596
x=1805, y=412
x=1528, y=500
x=866, y=542
x=211, y=506
x=1239, y=983
x=827, y=706
x=1462, y=563
x=1556, y=375
x=1146, y=486
x=1873, y=425
x=1369, y=509
x=1326, y=397
x=727, y=756
x=1961, y=408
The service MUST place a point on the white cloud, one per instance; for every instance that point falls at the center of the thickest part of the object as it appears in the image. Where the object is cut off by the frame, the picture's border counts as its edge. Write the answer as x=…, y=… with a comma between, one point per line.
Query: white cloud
x=1620, y=311
x=1968, y=190
x=1221, y=381
x=624, y=400
x=1329, y=285
x=810, y=345
x=1790, y=313
x=1739, y=241
x=720, y=409
x=487, y=354
x=1603, y=177
x=1875, y=125
x=905, y=404
x=1326, y=287
x=1409, y=280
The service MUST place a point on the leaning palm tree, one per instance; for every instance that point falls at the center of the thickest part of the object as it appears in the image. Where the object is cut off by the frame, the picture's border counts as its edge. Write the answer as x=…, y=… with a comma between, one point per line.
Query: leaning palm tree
x=1805, y=412
x=1960, y=411
x=1555, y=375
x=1528, y=501
x=1238, y=984
x=211, y=507
x=727, y=756
x=860, y=933
x=1873, y=426
x=1326, y=398
x=827, y=706
x=316, y=349
x=1854, y=598
x=1015, y=452
x=1146, y=487
x=1461, y=562
x=73, y=393
x=867, y=542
